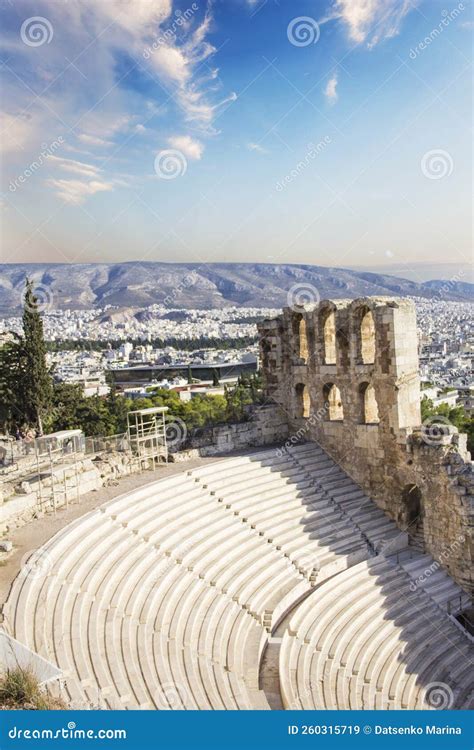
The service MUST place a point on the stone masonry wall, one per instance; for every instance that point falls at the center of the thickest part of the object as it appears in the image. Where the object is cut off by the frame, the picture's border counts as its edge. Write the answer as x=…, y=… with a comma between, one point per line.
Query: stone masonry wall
x=346, y=375
x=266, y=426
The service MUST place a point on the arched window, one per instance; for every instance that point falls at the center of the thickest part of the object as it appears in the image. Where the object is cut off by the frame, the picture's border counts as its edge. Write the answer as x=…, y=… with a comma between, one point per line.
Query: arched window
x=303, y=401
x=367, y=338
x=332, y=397
x=329, y=336
x=368, y=404
x=301, y=339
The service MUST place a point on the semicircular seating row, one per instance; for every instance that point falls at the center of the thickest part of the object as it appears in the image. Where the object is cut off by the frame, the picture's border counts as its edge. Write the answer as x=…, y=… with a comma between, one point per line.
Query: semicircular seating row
x=165, y=597
x=368, y=640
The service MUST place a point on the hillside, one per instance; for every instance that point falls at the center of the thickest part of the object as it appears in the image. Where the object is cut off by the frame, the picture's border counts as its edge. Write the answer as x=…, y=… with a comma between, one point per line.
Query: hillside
x=193, y=285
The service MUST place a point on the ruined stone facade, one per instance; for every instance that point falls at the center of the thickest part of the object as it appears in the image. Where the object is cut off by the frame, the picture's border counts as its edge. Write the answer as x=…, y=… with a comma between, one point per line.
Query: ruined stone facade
x=345, y=374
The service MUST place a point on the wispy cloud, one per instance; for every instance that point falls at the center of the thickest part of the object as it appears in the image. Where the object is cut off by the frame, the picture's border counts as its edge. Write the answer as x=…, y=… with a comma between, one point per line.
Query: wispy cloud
x=109, y=59
x=88, y=179
x=76, y=167
x=184, y=67
x=75, y=192
x=330, y=89
x=93, y=140
x=371, y=21
x=257, y=147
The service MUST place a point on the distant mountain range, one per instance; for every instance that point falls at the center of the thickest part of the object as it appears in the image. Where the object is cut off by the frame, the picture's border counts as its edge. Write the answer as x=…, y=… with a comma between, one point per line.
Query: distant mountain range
x=194, y=285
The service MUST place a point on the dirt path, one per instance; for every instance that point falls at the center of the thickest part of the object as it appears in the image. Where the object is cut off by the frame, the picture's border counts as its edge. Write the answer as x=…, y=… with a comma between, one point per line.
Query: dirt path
x=34, y=534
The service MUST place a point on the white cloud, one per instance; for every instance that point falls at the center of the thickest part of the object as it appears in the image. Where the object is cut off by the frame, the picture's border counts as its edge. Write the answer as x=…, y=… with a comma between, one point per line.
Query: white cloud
x=93, y=140
x=136, y=16
x=371, y=21
x=188, y=146
x=330, y=90
x=257, y=147
x=172, y=63
x=180, y=66
x=76, y=167
x=16, y=132
x=104, y=124
x=87, y=180
x=145, y=34
x=75, y=192
x=202, y=111
x=88, y=98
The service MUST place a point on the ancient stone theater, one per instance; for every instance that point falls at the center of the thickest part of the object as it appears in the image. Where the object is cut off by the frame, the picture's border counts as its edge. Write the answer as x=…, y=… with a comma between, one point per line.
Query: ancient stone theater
x=325, y=564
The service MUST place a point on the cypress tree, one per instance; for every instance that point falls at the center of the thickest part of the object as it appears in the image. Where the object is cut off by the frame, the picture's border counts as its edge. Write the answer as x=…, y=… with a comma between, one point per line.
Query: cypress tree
x=11, y=373
x=36, y=385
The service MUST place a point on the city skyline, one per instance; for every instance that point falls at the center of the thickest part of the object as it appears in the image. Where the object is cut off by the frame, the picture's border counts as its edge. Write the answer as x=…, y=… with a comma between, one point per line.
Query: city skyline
x=332, y=133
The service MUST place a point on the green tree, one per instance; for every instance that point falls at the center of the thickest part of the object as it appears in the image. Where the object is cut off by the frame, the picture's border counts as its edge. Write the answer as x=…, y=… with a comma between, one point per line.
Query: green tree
x=117, y=405
x=456, y=415
x=36, y=384
x=26, y=387
x=427, y=408
x=68, y=400
x=11, y=372
x=94, y=417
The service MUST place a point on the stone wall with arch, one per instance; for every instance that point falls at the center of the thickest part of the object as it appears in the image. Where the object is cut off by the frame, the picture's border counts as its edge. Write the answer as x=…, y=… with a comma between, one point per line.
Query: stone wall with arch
x=367, y=349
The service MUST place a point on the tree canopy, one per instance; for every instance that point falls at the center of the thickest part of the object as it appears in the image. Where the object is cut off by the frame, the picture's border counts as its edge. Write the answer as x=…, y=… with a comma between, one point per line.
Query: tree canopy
x=26, y=387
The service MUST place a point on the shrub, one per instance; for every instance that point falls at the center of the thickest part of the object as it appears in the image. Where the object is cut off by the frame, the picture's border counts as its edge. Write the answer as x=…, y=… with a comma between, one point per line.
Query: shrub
x=20, y=689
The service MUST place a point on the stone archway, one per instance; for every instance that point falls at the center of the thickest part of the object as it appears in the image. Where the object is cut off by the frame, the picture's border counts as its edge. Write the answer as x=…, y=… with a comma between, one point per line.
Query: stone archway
x=369, y=412
x=328, y=325
x=300, y=337
x=303, y=401
x=412, y=507
x=367, y=338
x=333, y=399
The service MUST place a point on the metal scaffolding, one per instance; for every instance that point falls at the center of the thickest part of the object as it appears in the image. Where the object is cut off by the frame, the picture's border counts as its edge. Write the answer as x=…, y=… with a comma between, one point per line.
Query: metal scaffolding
x=147, y=435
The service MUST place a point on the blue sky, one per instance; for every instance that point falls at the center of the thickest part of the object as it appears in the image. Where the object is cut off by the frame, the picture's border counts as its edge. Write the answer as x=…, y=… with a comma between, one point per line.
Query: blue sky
x=334, y=133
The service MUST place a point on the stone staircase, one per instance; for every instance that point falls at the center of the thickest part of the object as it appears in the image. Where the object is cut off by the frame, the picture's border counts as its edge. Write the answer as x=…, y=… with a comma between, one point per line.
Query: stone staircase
x=416, y=538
